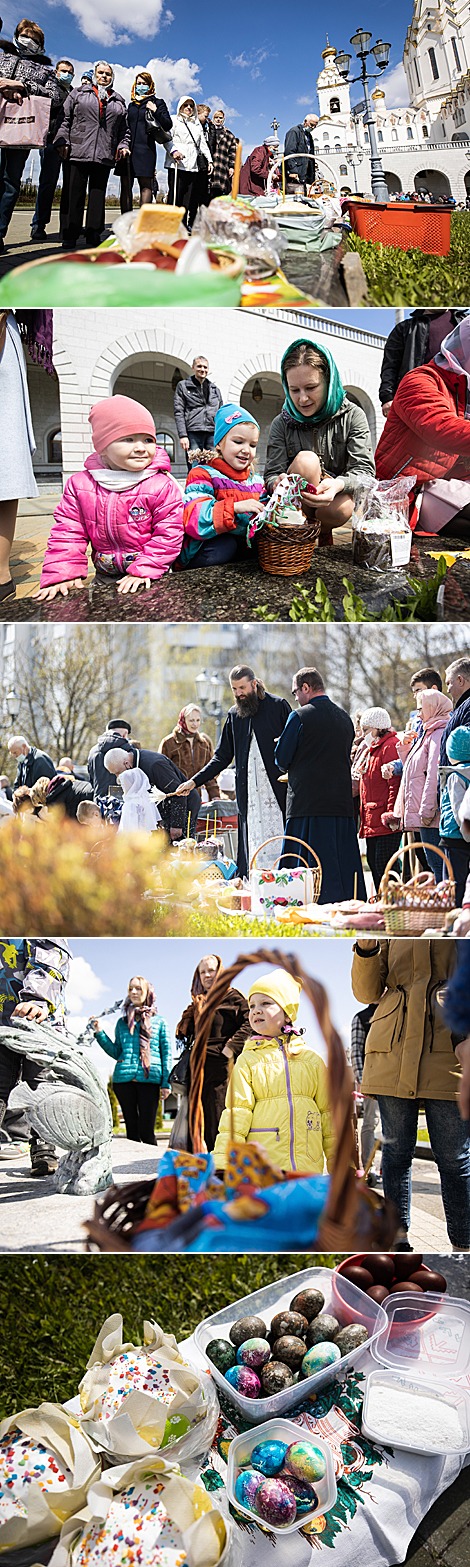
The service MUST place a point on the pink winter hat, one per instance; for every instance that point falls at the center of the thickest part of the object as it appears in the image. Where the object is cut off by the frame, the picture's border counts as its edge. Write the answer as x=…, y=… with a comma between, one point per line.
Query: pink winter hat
x=118, y=416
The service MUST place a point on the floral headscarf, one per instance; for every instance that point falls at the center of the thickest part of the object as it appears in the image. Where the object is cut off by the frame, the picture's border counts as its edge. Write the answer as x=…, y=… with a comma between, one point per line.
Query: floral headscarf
x=190, y=708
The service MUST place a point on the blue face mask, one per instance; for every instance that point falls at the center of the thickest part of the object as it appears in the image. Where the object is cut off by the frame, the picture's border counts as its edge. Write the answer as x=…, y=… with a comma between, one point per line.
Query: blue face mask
x=141, y=91
x=65, y=76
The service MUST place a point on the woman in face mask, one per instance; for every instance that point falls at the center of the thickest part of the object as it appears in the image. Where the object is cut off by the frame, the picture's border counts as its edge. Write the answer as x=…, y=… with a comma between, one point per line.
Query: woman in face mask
x=149, y=123
x=25, y=68
x=50, y=161
x=94, y=135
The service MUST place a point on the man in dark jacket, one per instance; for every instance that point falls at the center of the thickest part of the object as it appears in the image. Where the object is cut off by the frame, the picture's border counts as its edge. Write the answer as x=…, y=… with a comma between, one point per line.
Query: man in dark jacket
x=117, y=732
x=255, y=714
x=196, y=402
x=50, y=161
x=30, y=71
x=300, y=170
x=315, y=747
x=32, y=763
x=68, y=792
x=412, y=343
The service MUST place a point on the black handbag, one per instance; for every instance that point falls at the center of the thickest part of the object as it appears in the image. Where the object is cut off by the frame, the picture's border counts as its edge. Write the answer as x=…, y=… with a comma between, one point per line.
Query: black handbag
x=152, y=124
x=180, y=1075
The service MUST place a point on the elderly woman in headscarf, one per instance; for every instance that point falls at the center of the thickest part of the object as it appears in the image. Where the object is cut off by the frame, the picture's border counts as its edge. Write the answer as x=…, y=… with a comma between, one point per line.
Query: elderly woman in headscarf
x=149, y=122
x=254, y=172
x=95, y=134
x=428, y=434
x=139, y=812
x=320, y=435
x=229, y=1029
x=141, y=1049
x=190, y=748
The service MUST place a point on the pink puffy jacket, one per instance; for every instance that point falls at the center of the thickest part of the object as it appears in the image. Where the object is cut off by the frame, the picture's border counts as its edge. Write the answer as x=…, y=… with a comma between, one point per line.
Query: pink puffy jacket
x=144, y=523
x=417, y=799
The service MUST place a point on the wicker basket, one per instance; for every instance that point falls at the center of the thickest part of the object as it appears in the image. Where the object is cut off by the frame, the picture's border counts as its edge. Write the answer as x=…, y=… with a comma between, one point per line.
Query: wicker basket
x=316, y=870
x=410, y=907
x=287, y=552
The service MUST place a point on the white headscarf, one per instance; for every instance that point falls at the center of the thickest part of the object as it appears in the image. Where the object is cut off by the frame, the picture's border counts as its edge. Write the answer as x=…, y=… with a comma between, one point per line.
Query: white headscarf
x=139, y=812
x=454, y=354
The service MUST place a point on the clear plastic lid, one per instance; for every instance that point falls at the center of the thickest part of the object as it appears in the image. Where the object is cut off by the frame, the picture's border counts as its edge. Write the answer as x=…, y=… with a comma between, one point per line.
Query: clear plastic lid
x=426, y=1336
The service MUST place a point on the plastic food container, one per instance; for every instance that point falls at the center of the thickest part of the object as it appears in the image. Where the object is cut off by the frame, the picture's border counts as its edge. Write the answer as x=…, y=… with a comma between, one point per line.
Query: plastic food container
x=439, y=1391
x=239, y=1455
x=359, y=1259
x=48, y=283
x=347, y=1304
x=428, y=1339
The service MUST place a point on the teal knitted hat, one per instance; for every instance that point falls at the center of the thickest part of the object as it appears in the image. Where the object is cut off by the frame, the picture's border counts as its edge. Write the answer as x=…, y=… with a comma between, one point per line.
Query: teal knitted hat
x=229, y=415
x=335, y=395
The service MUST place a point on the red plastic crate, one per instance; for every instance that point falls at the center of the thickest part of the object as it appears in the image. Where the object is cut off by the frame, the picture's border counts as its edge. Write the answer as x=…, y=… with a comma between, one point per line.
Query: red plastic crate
x=403, y=224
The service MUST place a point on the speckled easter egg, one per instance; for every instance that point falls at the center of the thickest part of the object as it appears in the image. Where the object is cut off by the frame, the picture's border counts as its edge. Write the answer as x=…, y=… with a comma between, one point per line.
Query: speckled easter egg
x=320, y=1331
x=319, y=1356
x=246, y=1485
x=290, y=1322
x=244, y=1381
x=221, y=1353
x=305, y=1496
x=305, y=1461
x=254, y=1352
x=308, y=1302
x=350, y=1338
x=247, y=1327
x=275, y=1377
x=275, y=1503
x=269, y=1456
x=289, y=1349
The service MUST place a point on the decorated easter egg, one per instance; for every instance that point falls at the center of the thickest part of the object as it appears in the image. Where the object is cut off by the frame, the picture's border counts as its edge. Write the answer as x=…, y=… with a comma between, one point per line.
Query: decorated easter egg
x=305, y=1461
x=247, y=1327
x=321, y=1330
x=269, y=1456
x=289, y=1349
x=221, y=1353
x=319, y=1356
x=244, y=1381
x=350, y=1338
x=275, y=1377
x=254, y=1352
x=288, y=1322
x=275, y=1503
x=246, y=1485
x=308, y=1302
x=305, y=1496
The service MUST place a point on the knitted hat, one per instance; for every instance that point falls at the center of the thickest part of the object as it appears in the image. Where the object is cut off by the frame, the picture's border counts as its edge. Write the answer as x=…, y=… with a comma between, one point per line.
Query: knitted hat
x=376, y=718
x=458, y=744
x=281, y=988
x=115, y=417
x=227, y=416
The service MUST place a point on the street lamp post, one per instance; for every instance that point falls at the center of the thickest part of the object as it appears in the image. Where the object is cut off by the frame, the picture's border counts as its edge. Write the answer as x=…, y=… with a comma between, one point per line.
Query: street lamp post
x=12, y=703
x=209, y=694
x=360, y=42
x=354, y=157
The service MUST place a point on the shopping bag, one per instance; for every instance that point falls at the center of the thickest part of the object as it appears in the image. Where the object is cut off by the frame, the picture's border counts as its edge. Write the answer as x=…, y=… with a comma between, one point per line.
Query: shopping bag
x=276, y=889
x=24, y=124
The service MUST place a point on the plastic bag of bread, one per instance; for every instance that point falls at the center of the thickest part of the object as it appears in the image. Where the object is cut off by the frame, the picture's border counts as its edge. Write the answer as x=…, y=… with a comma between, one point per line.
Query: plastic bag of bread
x=47, y=1464
x=138, y=1398
x=155, y=1515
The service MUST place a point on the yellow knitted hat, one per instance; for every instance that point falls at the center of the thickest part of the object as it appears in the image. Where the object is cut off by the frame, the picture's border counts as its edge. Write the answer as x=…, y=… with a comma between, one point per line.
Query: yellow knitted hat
x=281, y=988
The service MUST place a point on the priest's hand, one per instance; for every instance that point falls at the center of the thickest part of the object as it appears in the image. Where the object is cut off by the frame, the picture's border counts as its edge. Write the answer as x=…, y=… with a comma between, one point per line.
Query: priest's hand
x=185, y=788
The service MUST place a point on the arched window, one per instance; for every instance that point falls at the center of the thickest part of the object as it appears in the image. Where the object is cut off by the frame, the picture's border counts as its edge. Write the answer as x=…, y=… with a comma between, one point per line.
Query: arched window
x=456, y=53
x=409, y=132
x=366, y=135
x=380, y=136
x=394, y=135
x=343, y=168
x=167, y=442
x=433, y=64
x=337, y=146
x=425, y=131
x=334, y=106
x=417, y=74
x=326, y=135
x=54, y=447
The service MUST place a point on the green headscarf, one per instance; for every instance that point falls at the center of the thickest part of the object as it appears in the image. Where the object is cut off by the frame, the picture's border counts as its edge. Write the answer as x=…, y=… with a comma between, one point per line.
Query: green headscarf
x=335, y=387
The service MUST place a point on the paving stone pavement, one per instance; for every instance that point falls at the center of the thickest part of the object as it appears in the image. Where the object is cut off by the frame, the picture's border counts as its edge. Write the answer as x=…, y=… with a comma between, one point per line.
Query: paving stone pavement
x=443, y=1537
x=35, y=1218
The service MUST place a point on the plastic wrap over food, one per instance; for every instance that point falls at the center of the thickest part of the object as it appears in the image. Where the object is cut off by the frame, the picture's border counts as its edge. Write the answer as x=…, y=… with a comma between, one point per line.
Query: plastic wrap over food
x=148, y=1511
x=285, y=504
x=159, y=225
x=381, y=534
x=240, y=226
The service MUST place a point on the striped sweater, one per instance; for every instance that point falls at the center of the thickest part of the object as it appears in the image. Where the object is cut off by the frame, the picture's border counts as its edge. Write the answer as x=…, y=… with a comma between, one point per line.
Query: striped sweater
x=210, y=495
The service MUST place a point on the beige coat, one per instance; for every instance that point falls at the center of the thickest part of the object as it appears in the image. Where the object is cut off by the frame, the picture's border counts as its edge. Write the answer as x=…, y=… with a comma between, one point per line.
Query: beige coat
x=409, y=1052
x=191, y=755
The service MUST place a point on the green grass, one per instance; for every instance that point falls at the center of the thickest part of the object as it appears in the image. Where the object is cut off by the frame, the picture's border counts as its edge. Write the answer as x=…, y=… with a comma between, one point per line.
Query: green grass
x=410, y=277
x=51, y=1310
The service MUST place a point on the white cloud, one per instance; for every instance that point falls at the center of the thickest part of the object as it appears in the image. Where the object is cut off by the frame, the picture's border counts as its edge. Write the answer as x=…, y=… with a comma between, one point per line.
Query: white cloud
x=84, y=986
x=172, y=77
x=395, y=87
x=109, y=20
x=306, y=101
x=252, y=62
x=218, y=103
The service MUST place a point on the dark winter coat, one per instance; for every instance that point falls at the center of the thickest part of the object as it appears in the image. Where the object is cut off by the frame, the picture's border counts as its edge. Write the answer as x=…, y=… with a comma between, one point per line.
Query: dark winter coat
x=267, y=724
x=254, y=173
x=196, y=406
x=230, y=1026
x=343, y=442
x=319, y=764
x=300, y=140
x=57, y=111
x=37, y=764
x=189, y=755
x=98, y=774
x=38, y=74
x=211, y=137
x=460, y=715
x=142, y=142
x=406, y=348
x=68, y=792
x=166, y=776
x=94, y=137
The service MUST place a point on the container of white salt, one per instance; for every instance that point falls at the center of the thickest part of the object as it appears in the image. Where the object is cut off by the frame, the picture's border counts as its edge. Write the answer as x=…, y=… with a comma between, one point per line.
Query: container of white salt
x=418, y=1415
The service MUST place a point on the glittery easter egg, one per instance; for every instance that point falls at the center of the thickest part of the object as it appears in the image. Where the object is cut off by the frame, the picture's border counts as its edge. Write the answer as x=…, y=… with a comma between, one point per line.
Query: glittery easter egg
x=305, y=1461
x=305, y=1496
x=288, y=1322
x=275, y=1503
x=308, y=1302
x=290, y=1350
x=324, y=1328
x=246, y=1485
x=254, y=1352
x=319, y=1356
x=269, y=1456
x=247, y=1327
x=351, y=1338
x=275, y=1377
x=244, y=1381
x=221, y=1353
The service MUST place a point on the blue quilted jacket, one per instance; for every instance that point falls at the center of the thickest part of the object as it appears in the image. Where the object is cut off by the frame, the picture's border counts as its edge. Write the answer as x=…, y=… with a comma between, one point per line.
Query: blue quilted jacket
x=125, y=1050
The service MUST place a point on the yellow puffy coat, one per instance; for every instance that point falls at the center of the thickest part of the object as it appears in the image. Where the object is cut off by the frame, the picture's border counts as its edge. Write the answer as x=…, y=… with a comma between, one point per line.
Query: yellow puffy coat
x=280, y=1101
x=409, y=1051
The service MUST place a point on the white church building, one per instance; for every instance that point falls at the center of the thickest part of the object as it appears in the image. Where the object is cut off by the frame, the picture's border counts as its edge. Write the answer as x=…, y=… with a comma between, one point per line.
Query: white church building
x=423, y=146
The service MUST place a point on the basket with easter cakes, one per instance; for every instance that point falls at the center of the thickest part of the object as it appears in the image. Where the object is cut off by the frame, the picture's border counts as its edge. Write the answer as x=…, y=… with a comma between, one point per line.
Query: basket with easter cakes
x=149, y=1512
x=137, y=1399
x=272, y=1349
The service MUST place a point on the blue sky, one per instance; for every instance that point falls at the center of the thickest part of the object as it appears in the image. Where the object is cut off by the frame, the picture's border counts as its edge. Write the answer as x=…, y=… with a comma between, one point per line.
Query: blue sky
x=100, y=970
x=251, y=59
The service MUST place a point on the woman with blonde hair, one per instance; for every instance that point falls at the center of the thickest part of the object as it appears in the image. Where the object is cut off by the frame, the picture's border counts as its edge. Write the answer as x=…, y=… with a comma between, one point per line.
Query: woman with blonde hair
x=149, y=122
x=141, y=1049
x=229, y=1029
x=189, y=747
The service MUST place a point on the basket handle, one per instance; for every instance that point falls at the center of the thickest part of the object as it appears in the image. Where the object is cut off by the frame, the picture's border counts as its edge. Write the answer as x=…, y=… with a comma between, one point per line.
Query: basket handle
x=289, y=839
x=407, y=850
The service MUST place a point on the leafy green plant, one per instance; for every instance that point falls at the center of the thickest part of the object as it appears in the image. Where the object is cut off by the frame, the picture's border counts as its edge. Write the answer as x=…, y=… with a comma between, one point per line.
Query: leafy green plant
x=421, y=605
x=411, y=277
